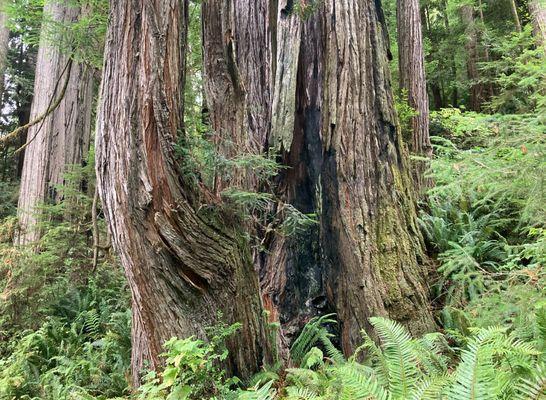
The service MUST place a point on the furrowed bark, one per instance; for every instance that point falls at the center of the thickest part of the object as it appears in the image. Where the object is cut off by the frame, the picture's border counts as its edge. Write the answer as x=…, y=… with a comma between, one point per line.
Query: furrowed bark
x=288, y=39
x=471, y=46
x=62, y=137
x=374, y=249
x=184, y=265
x=413, y=80
x=537, y=8
x=292, y=272
x=237, y=80
x=4, y=41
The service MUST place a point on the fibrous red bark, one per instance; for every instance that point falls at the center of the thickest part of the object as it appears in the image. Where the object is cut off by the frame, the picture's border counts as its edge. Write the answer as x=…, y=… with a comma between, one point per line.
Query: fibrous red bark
x=471, y=46
x=237, y=81
x=347, y=165
x=184, y=264
x=374, y=252
x=537, y=9
x=62, y=138
x=413, y=80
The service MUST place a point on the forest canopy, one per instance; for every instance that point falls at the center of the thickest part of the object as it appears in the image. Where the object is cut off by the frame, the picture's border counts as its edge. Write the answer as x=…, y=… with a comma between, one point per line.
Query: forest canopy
x=272, y=199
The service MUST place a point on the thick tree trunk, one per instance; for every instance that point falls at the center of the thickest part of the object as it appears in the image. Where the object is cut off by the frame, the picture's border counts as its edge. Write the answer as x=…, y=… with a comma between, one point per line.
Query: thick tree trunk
x=4, y=41
x=62, y=138
x=412, y=78
x=471, y=46
x=237, y=80
x=183, y=264
x=373, y=252
x=537, y=8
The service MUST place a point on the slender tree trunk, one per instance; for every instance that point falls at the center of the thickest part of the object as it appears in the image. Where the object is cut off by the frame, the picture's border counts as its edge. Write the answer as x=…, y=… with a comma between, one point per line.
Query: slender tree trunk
x=4, y=41
x=412, y=78
x=537, y=8
x=437, y=96
x=471, y=46
x=514, y=10
x=183, y=264
x=62, y=138
x=453, y=64
x=489, y=90
x=374, y=249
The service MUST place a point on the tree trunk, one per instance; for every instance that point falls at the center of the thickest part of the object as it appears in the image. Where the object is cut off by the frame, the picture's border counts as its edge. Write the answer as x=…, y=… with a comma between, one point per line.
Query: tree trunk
x=412, y=78
x=288, y=39
x=4, y=41
x=537, y=9
x=237, y=80
x=183, y=263
x=514, y=10
x=471, y=46
x=292, y=272
x=371, y=241
x=489, y=90
x=62, y=138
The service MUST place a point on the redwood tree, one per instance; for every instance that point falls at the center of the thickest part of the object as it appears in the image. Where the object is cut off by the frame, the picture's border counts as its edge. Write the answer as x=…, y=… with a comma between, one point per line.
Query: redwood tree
x=4, y=39
x=476, y=90
x=537, y=9
x=184, y=263
x=63, y=96
x=292, y=270
x=370, y=238
x=237, y=80
x=413, y=80
x=347, y=165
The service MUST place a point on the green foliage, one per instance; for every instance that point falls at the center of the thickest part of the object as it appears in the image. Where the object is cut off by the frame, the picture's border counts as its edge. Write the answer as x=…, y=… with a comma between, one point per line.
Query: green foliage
x=405, y=115
x=82, y=40
x=68, y=324
x=83, y=348
x=492, y=365
x=519, y=74
x=8, y=199
x=193, y=369
x=315, y=331
x=485, y=215
x=305, y=8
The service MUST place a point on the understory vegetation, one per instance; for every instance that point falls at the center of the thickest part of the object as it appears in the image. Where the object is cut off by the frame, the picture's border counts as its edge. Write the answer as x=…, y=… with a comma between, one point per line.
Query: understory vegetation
x=69, y=323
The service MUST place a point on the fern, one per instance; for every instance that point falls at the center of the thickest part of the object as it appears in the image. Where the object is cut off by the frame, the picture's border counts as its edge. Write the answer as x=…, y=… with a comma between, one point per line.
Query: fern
x=430, y=388
x=359, y=385
x=264, y=392
x=314, y=332
x=299, y=393
x=399, y=355
x=533, y=388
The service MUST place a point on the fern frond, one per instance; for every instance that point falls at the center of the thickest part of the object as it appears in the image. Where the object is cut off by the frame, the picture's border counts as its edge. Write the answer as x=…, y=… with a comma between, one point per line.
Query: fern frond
x=376, y=358
x=532, y=389
x=314, y=332
x=258, y=393
x=475, y=373
x=398, y=351
x=357, y=385
x=299, y=393
x=430, y=388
